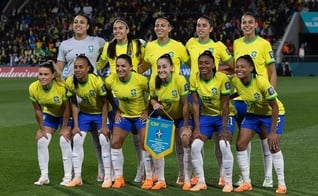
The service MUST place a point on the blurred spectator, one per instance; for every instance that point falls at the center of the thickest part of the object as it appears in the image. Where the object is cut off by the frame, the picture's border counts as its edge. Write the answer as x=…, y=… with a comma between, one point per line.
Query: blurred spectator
x=225, y=15
x=301, y=52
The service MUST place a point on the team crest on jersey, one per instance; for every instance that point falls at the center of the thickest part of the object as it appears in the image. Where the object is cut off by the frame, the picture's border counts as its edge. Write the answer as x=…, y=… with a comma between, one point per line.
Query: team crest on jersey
x=133, y=92
x=104, y=88
x=211, y=50
x=214, y=91
x=228, y=51
x=90, y=48
x=92, y=93
x=171, y=53
x=253, y=54
x=56, y=99
x=271, y=91
x=256, y=96
x=186, y=87
x=227, y=85
x=174, y=93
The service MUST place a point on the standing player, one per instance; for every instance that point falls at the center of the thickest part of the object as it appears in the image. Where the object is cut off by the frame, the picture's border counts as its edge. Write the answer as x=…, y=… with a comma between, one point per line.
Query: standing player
x=130, y=89
x=52, y=110
x=89, y=107
x=264, y=110
x=82, y=44
x=262, y=54
x=169, y=91
x=216, y=115
x=195, y=47
x=154, y=49
x=124, y=43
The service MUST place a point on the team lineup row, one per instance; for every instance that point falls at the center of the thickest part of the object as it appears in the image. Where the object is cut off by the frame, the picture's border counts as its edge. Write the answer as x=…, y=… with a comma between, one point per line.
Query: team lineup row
x=213, y=114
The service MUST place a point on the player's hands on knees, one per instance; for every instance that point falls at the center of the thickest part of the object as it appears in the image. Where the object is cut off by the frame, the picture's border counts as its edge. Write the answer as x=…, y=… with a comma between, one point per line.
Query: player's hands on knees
x=225, y=135
x=273, y=142
x=40, y=133
x=196, y=134
x=66, y=133
x=105, y=132
x=76, y=130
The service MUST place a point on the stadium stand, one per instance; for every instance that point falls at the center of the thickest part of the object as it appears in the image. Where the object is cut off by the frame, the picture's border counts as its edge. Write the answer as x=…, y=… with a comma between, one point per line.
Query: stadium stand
x=32, y=31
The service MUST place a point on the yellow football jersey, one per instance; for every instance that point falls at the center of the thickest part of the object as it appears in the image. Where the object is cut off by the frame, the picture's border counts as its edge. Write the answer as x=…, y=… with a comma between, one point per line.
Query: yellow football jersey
x=257, y=94
x=51, y=100
x=175, y=49
x=218, y=50
x=120, y=49
x=130, y=94
x=210, y=93
x=89, y=93
x=170, y=95
x=259, y=49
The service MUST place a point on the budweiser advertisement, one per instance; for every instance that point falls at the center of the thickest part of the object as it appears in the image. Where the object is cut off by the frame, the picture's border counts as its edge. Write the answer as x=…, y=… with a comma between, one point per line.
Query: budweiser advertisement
x=18, y=72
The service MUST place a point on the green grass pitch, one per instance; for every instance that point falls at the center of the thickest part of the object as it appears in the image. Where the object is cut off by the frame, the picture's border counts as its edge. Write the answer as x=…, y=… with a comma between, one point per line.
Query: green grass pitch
x=19, y=168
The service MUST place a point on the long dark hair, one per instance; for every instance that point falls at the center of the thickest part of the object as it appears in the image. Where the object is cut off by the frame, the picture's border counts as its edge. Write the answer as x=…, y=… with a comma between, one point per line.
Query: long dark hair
x=158, y=81
x=91, y=68
x=250, y=61
x=111, y=50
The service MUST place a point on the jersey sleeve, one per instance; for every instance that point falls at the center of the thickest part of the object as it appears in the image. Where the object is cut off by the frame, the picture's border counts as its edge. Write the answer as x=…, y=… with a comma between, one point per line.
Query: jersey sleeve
x=224, y=52
x=60, y=54
x=267, y=89
x=226, y=85
x=269, y=54
x=183, y=85
x=109, y=81
x=103, y=57
x=152, y=88
x=194, y=82
x=70, y=86
x=101, y=87
x=32, y=92
x=183, y=53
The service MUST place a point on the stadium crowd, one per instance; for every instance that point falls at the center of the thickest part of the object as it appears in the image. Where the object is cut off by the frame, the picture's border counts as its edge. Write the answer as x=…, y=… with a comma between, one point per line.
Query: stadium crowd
x=33, y=34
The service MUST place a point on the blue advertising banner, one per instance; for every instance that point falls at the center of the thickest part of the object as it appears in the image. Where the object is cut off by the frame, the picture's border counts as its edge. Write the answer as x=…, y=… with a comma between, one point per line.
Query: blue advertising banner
x=159, y=138
x=309, y=21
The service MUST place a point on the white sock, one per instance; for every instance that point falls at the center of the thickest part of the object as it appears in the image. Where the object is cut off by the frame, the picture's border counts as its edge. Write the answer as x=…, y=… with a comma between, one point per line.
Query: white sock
x=278, y=161
x=78, y=153
x=187, y=164
x=160, y=168
x=218, y=153
x=249, y=149
x=197, y=159
x=180, y=154
x=98, y=151
x=227, y=161
x=117, y=161
x=139, y=156
x=267, y=159
x=105, y=147
x=66, y=149
x=243, y=162
x=43, y=154
x=147, y=163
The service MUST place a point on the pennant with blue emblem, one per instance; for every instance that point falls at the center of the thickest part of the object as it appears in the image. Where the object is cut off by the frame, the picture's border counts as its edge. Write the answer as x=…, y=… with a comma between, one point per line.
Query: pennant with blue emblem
x=159, y=138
